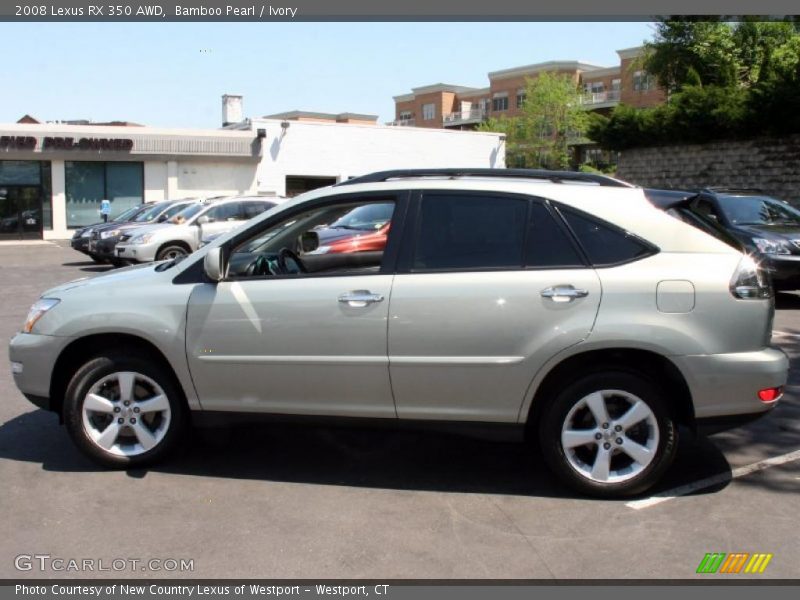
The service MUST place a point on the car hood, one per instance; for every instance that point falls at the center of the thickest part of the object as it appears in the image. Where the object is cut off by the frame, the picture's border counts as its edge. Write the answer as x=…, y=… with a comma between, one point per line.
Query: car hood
x=126, y=276
x=149, y=228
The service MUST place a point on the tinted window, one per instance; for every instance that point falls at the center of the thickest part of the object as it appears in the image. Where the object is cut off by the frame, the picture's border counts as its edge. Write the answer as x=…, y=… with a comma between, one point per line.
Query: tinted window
x=605, y=244
x=548, y=244
x=758, y=210
x=230, y=211
x=253, y=209
x=464, y=232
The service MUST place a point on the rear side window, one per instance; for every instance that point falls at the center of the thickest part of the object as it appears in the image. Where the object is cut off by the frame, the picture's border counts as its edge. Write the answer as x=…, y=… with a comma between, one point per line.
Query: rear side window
x=604, y=243
x=548, y=245
x=470, y=232
x=253, y=209
x=230, y=211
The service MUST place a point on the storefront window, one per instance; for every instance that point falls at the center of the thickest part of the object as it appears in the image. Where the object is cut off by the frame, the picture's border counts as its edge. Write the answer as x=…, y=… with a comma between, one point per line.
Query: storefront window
x=87, y=183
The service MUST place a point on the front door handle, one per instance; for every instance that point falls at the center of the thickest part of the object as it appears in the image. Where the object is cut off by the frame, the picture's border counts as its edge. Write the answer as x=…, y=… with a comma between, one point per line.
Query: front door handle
x=563, y=293
x=360, y=298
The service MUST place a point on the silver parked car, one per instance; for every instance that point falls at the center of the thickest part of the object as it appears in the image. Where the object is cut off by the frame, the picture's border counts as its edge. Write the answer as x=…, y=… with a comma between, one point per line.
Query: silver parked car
x=563, y=307
x=182, y=232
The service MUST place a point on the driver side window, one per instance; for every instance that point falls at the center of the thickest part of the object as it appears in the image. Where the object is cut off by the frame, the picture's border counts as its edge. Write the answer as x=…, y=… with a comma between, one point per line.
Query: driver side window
x=340, y=239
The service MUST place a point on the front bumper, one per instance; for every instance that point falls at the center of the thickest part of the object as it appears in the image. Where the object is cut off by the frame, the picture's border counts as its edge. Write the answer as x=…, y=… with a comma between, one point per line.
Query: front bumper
x=784, y=271
x=33, y=357
x=105, y=248
x=727, y=385
x=80, y=244
x=136, y=252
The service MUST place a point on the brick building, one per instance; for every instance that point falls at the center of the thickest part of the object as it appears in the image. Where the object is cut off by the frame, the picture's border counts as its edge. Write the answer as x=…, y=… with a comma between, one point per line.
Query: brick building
x=445, y=106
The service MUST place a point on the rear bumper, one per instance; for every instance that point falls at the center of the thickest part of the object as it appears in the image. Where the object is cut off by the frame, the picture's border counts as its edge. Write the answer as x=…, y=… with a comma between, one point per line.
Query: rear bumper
x=727, y=385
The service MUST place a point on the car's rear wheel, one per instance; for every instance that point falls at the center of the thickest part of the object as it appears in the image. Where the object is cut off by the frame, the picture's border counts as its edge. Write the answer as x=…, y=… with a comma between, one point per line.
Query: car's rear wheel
x=122, y=410
x=171, y=251
x=609, y=434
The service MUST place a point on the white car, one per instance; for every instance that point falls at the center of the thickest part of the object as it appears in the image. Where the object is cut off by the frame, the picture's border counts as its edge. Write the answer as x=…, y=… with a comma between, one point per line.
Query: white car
x=182, y=234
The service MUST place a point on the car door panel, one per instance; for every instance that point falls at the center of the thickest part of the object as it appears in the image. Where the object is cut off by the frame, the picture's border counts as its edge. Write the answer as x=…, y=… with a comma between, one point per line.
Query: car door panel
x=465, y=346
x=290, y=346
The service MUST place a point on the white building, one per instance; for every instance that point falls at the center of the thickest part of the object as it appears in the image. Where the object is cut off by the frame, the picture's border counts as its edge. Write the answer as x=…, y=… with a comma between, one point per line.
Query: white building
x=53, y=176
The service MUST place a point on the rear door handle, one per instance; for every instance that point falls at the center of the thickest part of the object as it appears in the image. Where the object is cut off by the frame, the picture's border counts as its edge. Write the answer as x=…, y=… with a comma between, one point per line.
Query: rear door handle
x=360, y=298
x=563, y=293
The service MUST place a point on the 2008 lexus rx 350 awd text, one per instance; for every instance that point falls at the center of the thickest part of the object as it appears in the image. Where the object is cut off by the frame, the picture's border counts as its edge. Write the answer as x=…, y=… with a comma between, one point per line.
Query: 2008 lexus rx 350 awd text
x=563, y=304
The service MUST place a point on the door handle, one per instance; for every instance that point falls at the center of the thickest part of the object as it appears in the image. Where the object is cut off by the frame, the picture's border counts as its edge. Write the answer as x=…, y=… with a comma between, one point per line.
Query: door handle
x=360, y=298
x=563, y=293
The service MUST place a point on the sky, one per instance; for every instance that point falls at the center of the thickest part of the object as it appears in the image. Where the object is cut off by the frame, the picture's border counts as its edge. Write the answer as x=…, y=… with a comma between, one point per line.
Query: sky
x=173, y=74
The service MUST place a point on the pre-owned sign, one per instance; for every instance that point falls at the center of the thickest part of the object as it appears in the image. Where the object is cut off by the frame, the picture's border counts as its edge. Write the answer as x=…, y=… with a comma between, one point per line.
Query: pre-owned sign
x=68, y=143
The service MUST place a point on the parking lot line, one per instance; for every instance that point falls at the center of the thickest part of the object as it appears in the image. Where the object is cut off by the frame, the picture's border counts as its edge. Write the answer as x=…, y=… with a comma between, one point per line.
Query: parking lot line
x=713, y=480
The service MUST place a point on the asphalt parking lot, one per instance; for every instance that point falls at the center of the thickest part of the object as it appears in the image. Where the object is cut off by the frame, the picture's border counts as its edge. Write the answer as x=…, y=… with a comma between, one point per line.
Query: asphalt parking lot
x=289, y=501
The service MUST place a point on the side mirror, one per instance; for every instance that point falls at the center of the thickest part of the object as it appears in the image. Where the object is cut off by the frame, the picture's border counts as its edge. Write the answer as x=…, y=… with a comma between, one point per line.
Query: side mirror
x=161, y=219
x=203, y=220
x=309, y=241
x=214, y=264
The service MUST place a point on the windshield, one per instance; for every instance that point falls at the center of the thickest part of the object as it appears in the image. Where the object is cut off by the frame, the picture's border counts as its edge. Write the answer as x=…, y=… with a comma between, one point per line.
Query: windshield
x=186, y=214
x=368, y=217
x=151, y=213
x=758, y=210
x=129, y=214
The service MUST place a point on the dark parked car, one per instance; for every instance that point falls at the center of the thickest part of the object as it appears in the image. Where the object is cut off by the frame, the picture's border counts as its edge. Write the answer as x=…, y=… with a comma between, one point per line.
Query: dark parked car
x=80, y=239
x=764, y=226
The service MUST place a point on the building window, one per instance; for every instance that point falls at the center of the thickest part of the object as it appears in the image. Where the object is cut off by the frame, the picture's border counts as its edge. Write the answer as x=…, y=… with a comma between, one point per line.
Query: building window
x=405, y=115
x=428, y=112
x=616, y=84
x=594, y=87
x=25, y=198
x=500, y=104
x=520, y=98
x=484, y=104
x=87, y=183
x=643, y=81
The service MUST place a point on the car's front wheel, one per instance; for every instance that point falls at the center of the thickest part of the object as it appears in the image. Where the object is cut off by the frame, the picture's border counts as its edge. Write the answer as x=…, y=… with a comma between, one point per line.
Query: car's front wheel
x=171, y=251
x=609, y=434
x=123, y=410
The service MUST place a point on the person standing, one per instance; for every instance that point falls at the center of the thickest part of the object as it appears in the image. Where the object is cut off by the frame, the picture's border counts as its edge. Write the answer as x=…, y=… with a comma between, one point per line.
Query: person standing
x=105, y=209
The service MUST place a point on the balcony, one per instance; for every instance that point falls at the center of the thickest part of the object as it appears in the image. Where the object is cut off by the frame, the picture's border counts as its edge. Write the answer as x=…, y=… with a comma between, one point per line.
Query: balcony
x=466, y=117
x=403, y=123
x=600, y=99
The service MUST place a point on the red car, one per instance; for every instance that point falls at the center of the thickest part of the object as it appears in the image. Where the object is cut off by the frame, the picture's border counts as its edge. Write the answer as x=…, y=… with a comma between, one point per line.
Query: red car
x=363, y=229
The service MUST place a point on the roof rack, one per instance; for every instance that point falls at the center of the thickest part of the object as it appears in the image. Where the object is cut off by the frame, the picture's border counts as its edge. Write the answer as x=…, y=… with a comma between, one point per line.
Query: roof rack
x=552, y=176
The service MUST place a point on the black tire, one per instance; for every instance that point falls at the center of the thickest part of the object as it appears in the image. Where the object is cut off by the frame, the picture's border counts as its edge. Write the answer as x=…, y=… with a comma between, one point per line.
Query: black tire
x=98, y=259
x=171, y=251
x=557, y=411
x=101, y=366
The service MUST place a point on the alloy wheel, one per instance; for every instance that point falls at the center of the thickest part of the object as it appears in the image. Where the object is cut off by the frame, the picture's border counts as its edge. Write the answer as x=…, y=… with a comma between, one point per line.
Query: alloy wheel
x=126, y=414
x=610, y=436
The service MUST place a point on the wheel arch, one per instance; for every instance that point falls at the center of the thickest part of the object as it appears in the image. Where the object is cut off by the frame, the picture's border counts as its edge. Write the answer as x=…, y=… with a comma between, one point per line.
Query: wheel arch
x=653, y=365
x=180, y=243
x=79, y=351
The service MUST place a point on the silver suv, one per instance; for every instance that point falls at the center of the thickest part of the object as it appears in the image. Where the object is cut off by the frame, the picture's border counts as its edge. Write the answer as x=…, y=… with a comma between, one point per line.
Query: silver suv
x=559, y=307
x=182, y=233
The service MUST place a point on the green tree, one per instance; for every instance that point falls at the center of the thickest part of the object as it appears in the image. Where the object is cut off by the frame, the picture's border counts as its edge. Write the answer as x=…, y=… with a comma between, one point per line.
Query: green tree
x=691, y=49
x=551, y=118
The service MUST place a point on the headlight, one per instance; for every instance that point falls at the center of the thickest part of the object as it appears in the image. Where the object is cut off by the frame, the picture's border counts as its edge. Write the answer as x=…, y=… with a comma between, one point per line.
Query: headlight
x=36, y=312
x=108, y=234
x=772, y=246
x=86, y=233
x=142, y=239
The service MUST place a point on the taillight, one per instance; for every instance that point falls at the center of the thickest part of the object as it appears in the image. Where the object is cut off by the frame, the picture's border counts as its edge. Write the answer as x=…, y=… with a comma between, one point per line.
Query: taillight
x=770, y=394
x=750, y=281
